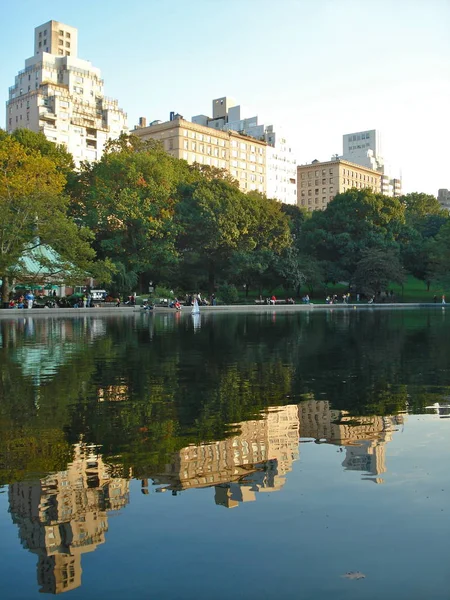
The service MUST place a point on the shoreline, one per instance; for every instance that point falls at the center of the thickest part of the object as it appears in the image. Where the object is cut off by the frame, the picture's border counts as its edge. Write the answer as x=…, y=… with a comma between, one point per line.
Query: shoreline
x=14, y=313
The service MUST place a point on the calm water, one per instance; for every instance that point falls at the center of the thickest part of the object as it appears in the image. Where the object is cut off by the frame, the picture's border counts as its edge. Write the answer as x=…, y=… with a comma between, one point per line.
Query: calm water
x=246, y=456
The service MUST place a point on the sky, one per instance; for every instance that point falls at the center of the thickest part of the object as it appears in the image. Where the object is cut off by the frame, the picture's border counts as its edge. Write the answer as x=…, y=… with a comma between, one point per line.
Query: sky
x=316, y=69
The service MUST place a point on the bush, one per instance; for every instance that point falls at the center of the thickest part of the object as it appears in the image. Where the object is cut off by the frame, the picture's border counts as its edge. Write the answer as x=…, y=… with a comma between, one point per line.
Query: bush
x=228, y=293
x=163, y=292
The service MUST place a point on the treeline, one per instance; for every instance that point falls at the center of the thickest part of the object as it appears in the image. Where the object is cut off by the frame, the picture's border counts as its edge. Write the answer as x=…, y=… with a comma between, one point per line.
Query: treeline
x=140, y=215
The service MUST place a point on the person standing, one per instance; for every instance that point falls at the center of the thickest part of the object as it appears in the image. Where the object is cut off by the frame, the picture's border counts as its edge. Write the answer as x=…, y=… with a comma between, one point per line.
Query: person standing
x=29, y=297
x=443, y=299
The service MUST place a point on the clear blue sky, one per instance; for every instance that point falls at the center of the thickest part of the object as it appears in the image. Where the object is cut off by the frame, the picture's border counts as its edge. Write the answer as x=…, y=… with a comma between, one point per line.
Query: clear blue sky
x=319, y=68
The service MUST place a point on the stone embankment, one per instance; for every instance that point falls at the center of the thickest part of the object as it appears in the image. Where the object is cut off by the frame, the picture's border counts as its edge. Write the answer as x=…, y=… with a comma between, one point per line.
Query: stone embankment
x=13, y=313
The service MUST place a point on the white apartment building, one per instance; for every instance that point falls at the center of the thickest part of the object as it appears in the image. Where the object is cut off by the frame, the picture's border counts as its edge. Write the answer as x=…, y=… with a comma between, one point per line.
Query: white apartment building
x=62, y=96
x=364, y=148
x=281, y=166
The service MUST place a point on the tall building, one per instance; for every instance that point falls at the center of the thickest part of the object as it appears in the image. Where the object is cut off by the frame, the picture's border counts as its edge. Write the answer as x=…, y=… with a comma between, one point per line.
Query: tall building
x=242, y=156
x=320, y=182
x=64, y=515
x=364, y=148
x=280, y=162
x=444, y=198
x=62, y=96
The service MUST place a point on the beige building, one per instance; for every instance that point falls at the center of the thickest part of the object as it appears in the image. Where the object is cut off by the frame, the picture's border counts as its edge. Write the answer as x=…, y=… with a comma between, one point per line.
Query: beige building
x=242, y=156
x=64, y=515
x=62, y=96
x=319, y=182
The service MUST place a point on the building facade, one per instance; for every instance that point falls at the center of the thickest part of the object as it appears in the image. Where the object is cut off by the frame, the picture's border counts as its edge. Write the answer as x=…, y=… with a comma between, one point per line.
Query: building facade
x=444, y=198
x=320, y=182
x=364, y=148
x=280, y=162
x=62, y=96
x=242, y=156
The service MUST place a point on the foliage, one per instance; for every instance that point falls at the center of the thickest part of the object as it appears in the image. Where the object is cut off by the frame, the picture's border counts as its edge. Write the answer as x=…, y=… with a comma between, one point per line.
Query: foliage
x=376, y=269
x=228, y=293
x=34, y=213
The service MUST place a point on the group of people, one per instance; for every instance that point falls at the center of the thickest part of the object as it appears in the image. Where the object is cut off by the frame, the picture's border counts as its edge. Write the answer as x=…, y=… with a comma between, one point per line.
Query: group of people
x=189, y=300
x=27, y=300
x=335, y=299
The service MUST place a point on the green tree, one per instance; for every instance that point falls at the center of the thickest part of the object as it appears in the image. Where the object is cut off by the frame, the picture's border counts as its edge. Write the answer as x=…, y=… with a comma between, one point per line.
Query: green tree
x=128, y=200
x=376, y=269
x=354, y=221
x=34, y=213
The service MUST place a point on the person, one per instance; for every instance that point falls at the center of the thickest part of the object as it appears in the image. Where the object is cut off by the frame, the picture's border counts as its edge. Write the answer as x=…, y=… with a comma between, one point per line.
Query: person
x=213, y=300
x=12, y=304
x=177, y=305
x=118, y=301
x=370, y=300
x=307, y=299
x=83, y=301
x=54, y=294
x=29, y=297
x=328, y=300
x=89, y=300
x=357, y=297
x=273, y=299
x=147, y=306
x=443, y=299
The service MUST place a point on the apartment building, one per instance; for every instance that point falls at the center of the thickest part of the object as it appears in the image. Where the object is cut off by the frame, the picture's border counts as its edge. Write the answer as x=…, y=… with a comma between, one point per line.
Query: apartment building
x=62, y=96
x=320, y=182
x=364, y=148
x=242, y=156
x=444, y=198
x=280, y=162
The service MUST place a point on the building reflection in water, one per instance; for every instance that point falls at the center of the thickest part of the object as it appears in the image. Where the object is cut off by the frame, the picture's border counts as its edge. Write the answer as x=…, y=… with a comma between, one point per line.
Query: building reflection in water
x=64, y=515
x=255, y=460
x=364, y=438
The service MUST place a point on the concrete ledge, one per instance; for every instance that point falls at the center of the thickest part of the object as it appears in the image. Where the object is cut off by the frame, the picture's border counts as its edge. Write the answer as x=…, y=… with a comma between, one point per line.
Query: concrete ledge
x=107, y=311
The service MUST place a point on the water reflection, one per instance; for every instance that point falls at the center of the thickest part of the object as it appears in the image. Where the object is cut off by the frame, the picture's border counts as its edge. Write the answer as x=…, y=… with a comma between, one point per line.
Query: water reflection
x=228, y=407
x=64, y=515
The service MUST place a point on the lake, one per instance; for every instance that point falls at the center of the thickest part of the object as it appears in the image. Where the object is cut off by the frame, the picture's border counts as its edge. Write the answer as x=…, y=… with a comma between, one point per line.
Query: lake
x=276, y=455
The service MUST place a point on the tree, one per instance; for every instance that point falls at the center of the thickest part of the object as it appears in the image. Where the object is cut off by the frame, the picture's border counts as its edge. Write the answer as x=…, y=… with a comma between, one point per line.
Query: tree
x=128, y=200
x=376, y=269
x=37, y=142
x=354, y=221
x=34, y=213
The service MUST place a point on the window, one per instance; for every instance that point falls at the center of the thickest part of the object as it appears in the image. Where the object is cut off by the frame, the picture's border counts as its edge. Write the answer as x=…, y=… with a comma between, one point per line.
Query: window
x=67, y=34
x=61, y=42
x=61, y=52
x=67, y=53
x=67, y=44
x=317, y=173
x=61, y=32
x=316, y=191
x=40, y=44
x=324, y=181
x=193, y=146
x=40, y=34
x=316, y=182
x=323, y=171
x=331, y=180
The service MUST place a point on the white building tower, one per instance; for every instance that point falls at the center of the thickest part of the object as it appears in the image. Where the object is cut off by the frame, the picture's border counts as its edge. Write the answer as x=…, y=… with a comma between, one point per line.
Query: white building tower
x=62, y=96
x=281, y=166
